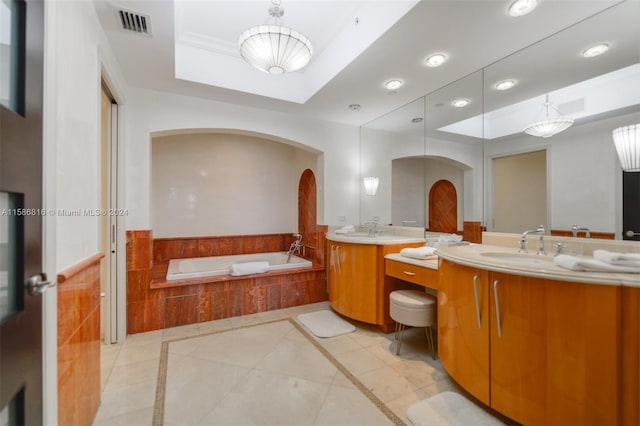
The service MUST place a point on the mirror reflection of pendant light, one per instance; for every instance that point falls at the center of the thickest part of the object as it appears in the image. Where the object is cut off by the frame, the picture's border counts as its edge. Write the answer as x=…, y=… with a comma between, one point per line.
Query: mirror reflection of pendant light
x=371, y=185
x=551, y=125
x=627, y=142
x=273, y=48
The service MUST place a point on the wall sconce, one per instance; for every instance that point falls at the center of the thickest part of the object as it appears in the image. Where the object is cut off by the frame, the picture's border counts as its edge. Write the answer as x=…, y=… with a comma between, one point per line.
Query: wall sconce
x=371, y=185
x=627, y=142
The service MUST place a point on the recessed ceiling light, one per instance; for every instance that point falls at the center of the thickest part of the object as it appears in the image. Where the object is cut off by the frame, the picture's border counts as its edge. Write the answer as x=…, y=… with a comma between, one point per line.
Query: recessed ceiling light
x=522, y=7
x=416, y=120
x=436, y=60
x=393, y=84
x=354, y=107
x=459, y=103
x=596, y=50
x=505, y=84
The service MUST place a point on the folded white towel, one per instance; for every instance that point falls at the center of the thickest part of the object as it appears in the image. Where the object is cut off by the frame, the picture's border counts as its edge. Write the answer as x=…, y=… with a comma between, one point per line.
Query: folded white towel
x=249, y=268
x=345, y=229
x=591, y=265
x=419, y=252
x=623, y=259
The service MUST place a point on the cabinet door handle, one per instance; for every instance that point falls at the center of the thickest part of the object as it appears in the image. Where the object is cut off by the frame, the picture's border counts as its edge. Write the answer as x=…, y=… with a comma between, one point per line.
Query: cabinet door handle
x=332, y=260
x=495, y=293
x=475, y=292
x=338, y=258
x=411, y=274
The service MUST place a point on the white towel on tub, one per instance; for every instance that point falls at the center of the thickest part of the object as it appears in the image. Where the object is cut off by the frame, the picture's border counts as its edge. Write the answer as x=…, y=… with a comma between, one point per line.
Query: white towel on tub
x=249, y=268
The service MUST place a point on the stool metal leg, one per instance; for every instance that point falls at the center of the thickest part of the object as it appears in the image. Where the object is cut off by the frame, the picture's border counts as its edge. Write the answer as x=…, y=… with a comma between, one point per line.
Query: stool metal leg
x=430, y=342
x=401, y=328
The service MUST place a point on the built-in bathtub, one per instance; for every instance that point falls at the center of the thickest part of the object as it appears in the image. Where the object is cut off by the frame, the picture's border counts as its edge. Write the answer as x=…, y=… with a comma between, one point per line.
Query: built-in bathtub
x=198, y=267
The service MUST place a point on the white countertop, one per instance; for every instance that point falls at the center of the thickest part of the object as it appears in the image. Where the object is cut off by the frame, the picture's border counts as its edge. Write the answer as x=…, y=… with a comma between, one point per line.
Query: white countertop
x=426, y=263
x=364, y=238
x=507, y=260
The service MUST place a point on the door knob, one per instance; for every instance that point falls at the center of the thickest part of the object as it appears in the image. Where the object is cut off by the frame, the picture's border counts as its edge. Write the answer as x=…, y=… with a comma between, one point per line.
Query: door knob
x=631, y=234
x=38, y=284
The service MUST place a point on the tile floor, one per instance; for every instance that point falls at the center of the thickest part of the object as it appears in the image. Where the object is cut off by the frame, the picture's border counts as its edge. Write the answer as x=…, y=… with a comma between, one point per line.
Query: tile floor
x=256, y=367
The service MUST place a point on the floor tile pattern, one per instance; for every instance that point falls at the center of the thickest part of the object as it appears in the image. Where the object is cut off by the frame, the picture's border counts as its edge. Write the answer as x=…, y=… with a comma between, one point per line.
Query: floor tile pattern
x=275, y=367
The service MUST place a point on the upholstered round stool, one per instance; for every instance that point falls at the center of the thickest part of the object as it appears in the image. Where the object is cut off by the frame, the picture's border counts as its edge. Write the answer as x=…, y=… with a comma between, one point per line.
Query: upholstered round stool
x=415, y=309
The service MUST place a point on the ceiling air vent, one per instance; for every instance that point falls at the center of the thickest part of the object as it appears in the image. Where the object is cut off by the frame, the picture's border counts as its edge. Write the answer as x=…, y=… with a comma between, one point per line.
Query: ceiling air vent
x=134, y=21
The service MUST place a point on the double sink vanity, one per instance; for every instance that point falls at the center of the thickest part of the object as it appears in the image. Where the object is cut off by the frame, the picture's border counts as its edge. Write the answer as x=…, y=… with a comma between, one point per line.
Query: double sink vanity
x=541, y=344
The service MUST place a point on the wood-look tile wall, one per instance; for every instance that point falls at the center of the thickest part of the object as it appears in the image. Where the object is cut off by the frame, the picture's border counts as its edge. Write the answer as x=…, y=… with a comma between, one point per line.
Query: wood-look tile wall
x=595, y=234
x=79, y=343
x=472, y=231
x=153, y=303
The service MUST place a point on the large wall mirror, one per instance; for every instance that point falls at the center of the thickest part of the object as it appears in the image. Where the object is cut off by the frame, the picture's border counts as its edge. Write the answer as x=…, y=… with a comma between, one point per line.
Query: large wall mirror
x=503, y=177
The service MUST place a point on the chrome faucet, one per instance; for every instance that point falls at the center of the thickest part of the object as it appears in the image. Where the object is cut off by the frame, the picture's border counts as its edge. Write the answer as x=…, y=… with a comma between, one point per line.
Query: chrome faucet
x=294, y=247
x=575, y=230
x=523, y=240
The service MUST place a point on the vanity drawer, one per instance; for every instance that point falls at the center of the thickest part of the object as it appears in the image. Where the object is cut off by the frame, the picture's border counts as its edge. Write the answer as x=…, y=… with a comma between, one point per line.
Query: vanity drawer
x=415, y=274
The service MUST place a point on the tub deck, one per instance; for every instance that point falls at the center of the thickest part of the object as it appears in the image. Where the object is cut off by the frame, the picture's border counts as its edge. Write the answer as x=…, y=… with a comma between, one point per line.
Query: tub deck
x=159, y=276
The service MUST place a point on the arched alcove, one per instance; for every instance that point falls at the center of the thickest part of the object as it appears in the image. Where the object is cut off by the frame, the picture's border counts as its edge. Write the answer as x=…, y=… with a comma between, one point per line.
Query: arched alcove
x=217, y=183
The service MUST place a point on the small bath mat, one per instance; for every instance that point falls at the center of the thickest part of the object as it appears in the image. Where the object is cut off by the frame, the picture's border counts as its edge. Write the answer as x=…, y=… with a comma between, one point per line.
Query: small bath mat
x=451, y=409
x=325, y=324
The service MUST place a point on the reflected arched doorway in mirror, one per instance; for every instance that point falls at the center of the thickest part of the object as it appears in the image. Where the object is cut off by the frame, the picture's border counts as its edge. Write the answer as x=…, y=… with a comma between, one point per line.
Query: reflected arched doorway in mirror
x=443, y=207
x=307, y=212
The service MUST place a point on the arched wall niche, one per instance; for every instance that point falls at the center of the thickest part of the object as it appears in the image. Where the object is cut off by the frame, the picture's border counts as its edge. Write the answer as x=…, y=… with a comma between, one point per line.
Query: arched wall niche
x=226, y=182
x=312, y=235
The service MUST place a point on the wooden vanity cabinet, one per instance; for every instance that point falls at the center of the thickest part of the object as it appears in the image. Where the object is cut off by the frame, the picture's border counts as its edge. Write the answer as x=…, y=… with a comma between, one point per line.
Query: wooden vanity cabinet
x=543, y=352
x=554, y=351
x=357, y=285
x=352, y=280
x=463, y=326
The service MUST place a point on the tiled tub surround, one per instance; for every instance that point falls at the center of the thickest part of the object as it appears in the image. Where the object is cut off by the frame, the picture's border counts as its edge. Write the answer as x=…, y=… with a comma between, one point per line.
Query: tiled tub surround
x=79, y=342
x=154, y=303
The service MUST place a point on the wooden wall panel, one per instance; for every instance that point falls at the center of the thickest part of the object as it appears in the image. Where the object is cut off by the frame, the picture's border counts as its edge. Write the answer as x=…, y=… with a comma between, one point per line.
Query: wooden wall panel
x=79, y=342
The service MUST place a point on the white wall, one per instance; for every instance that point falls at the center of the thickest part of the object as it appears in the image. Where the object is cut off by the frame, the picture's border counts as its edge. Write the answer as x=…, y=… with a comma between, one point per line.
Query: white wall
x=221, y=184
x=408, y=200
x=76, y=53
x=154, y=113
x=380, y=148
x=412, y=181
x=584, y=175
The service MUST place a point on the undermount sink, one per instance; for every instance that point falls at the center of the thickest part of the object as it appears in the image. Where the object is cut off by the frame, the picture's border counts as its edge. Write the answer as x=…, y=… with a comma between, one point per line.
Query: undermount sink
x=521, y=258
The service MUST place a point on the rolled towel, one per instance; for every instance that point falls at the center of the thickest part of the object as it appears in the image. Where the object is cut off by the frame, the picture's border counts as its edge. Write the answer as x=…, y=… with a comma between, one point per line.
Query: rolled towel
x=588, y=264
x=422, y=253
x=249, y=268
x=622, y=259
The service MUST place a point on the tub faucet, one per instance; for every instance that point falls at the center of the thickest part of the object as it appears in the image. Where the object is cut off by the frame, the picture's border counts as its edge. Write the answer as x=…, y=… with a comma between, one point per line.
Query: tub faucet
x=575, y=230
x=523, y=240
x=294, y=247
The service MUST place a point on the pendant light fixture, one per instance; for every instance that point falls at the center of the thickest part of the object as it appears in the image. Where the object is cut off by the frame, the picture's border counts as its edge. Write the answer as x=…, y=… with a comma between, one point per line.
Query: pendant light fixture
x=552, y=124
x=273, y=48
x=627, y=142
